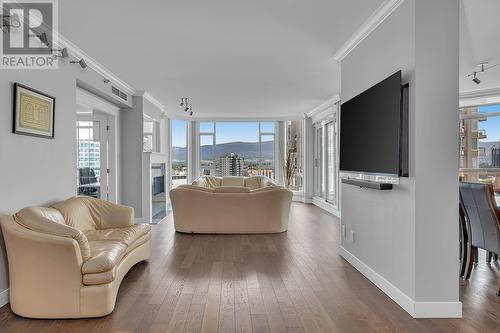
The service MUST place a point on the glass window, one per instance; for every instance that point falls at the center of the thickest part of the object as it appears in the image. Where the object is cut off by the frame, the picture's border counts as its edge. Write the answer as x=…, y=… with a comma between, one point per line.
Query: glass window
x=237, y=149
x=267, y=127
x=293, y=152
x=207, y=155
x=480, y=145
x=331, y=155
x=179, y=132
x=89, y=158
x=206, y=127
x=267, y=167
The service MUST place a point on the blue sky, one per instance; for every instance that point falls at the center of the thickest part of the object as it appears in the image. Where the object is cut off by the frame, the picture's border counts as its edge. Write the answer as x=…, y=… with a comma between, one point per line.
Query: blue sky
x=226, y=132
x=492, y=125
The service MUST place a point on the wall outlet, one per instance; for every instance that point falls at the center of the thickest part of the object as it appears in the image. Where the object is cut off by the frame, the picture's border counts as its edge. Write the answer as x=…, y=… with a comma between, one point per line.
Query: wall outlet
x=351, y=236
x=344, y=231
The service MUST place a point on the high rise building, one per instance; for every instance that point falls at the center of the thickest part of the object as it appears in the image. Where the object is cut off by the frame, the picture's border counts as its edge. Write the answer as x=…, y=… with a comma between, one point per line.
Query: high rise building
x=495, y=157
x=230, y=165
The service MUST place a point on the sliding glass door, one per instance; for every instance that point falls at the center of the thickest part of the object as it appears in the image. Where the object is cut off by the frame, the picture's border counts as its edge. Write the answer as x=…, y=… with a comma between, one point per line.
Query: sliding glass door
x=326, y=171
x=331, y=165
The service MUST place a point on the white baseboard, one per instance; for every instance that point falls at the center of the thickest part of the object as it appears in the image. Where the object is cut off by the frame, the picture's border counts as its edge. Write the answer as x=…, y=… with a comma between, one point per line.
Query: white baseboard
x=321, y=203
x=4, y=297
x=415, y=309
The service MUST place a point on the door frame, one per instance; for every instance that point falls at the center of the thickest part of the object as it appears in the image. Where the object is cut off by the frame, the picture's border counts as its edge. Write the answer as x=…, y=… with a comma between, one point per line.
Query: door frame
x=94, y=104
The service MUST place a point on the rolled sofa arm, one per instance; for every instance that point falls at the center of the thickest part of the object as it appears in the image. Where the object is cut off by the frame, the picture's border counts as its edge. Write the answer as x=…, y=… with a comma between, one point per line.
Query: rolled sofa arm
x=33, y=219
x=42, y=267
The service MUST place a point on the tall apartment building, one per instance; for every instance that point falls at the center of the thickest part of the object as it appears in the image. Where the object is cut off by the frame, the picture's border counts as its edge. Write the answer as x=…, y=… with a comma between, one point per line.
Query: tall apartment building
x=471, y=153
x=495, y=157
x=230, y=165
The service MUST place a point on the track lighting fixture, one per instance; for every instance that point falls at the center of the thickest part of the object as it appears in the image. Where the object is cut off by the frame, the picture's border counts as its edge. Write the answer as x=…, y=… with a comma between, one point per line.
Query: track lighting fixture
x=9, y=21
x=483, y=68
x=476, y=79
x=63, y=53
x=186, y=105
x=81, y=62
x=184, y=102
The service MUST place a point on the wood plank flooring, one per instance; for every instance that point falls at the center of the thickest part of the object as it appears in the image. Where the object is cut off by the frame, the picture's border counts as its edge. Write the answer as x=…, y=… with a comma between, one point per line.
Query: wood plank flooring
x=291, y=282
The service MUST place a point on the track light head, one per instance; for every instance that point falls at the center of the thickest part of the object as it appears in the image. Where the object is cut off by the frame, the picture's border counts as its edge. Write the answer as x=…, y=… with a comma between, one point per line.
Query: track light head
x=81, y=62
x=476, y=79
x=64, y=53
x=9, y=21
x=191, y=113
x=43, y=38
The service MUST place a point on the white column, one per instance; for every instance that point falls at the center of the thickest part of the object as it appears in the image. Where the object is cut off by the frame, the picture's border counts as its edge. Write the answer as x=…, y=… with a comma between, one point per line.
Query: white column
x=436, y=134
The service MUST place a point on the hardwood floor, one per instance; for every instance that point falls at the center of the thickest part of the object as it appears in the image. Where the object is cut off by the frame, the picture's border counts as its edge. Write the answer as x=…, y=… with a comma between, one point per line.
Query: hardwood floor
x=291, y=282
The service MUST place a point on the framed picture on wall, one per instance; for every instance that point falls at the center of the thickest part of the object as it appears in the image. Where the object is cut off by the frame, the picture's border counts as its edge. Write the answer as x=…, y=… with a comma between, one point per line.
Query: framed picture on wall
x=34, y=112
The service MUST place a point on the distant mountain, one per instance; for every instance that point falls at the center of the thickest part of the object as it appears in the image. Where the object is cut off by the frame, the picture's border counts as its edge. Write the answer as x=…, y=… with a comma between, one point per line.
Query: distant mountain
x=248, y=150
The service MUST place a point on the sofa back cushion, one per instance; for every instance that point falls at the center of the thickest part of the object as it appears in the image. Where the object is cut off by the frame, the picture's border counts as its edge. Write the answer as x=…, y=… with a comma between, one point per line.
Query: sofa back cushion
x=50, y=221
x=233, y=181
x=256, y=182
x=231, y=189
x=207, y=181
x=77, y=213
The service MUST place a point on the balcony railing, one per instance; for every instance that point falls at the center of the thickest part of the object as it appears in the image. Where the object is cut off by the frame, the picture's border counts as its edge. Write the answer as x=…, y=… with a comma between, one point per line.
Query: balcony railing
x=482, y=175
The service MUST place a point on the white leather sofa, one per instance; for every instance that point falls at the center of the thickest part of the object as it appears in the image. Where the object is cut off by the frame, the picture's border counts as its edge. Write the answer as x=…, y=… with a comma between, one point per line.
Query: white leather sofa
x=68, y=261
x=231, y=205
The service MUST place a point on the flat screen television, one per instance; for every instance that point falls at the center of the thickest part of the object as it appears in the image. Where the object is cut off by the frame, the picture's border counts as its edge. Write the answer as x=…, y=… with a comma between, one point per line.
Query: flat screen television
x=371, y=130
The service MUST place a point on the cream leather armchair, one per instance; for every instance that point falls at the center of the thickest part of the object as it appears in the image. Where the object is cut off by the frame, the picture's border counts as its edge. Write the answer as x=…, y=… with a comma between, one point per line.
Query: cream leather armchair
x=68, y=261
x=231, y=205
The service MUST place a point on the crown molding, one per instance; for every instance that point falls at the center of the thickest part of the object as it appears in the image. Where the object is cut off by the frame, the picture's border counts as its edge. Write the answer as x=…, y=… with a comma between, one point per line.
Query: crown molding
x=147, y=96
x=326, y=104
x=379, y=16
x=77, y=52
x=494, y=92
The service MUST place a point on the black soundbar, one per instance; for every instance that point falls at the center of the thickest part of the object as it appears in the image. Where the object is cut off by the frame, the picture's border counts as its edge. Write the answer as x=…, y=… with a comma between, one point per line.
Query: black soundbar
x=368, y=184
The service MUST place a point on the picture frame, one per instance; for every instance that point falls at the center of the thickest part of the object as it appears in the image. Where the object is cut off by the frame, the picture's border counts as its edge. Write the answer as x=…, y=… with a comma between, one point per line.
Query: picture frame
x=33, y=112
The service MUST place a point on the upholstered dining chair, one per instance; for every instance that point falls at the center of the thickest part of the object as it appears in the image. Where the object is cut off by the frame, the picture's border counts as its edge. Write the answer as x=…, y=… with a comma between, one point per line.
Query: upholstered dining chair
x=483, y=217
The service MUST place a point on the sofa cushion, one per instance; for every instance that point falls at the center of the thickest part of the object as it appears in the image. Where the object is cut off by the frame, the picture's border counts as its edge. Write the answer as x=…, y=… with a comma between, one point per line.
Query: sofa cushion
x=197, y=188
x=99, y=278
x=87, y=213
x=50, y=221
x=76, y=213
x=252, y=182
x=127, y=235
x=233, y=181
x=231, y=189
x=207, y=181
x=105, y=255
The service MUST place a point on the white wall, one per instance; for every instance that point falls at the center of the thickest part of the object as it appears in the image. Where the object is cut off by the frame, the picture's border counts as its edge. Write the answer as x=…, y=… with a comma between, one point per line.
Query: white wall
x=407, y=239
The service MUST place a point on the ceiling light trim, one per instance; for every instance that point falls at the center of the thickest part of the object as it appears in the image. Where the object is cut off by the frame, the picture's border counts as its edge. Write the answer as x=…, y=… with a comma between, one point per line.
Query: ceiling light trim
x=378, y=16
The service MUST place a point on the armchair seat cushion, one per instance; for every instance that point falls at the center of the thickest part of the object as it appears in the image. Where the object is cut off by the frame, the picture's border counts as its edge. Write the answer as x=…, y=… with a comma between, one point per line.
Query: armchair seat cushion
x=127, y=235
x=105, y=255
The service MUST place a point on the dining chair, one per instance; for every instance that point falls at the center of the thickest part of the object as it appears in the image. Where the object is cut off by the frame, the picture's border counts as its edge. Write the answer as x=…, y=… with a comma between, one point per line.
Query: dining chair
x=483, y=217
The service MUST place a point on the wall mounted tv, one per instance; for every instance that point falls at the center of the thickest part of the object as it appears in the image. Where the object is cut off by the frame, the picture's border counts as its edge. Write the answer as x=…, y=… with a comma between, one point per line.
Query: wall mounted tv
x=373, y=130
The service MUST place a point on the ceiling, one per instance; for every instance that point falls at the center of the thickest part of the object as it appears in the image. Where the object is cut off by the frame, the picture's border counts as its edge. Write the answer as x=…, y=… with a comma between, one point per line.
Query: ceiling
x=234, y=58
x=479, y=41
